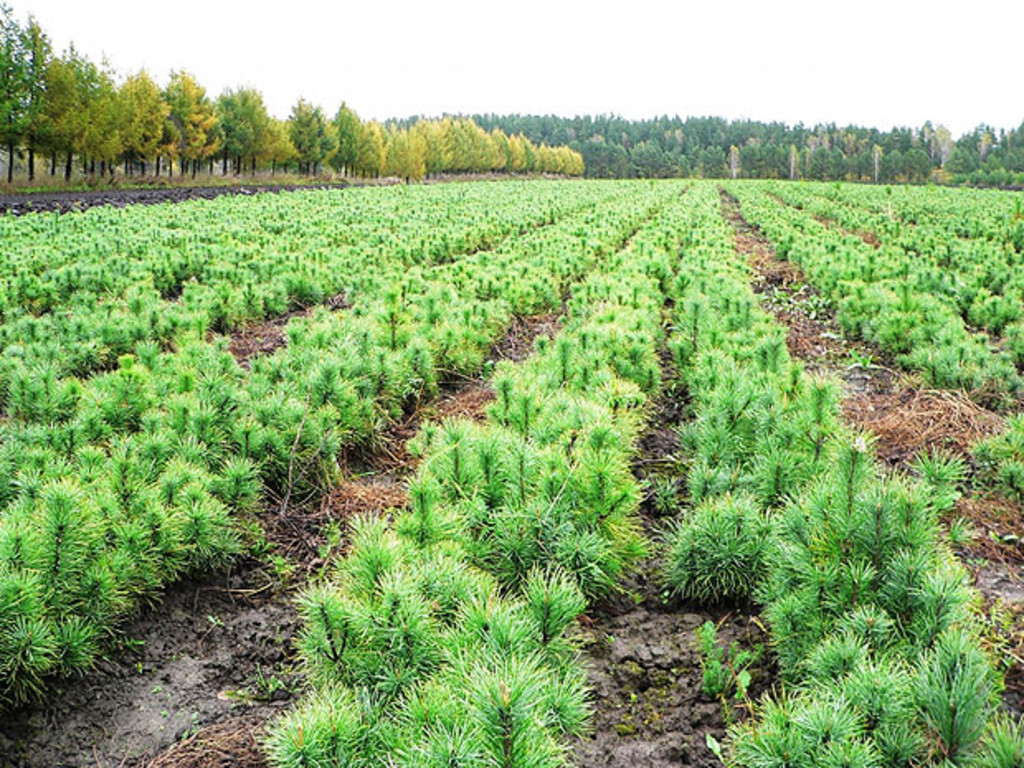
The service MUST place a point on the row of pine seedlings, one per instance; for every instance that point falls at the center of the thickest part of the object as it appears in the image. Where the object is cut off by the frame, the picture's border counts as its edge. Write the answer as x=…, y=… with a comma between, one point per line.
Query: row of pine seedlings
x=114, y=486
x=875, y=629
x=444, y=637
x=903, y=301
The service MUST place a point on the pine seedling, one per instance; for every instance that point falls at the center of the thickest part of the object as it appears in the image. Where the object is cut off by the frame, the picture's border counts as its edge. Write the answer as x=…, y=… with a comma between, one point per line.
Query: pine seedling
x=954, y=691
x=399, y=642
x=834, y=658
x=565, y=701
x=490, y=459
x=830, y=729
x=330, y=630
x=943, y=473
x=943, y=600
x=327, y=729
x=882, y=695
x=28, y=653
x=493, y=629
x=443, y=744
x=206, y=531
x=66, y=540
x=592, y=559
x=423, y=522
x=238, y=484
x=506, y=702
x=870, y=625
x=76, y=645
x=553, y=601
x=777, y=473
x=448, y=584
x=718, y=551
x=772, y=740
x=452, y=463
x=1003, y=745
x=374, y=553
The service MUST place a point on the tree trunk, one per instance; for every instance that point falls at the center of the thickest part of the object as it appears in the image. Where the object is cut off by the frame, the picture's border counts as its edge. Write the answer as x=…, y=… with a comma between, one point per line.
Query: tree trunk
x=224, y=164
x=143, y=163
x=103, y=168
x=254, y=165
x=211, y=166
x=195, y=167
x=92, y=167
x=10, y=163
x=156, y=164
x=31, y=161
x=53, y=164
x=273, y=167
x=67, y=169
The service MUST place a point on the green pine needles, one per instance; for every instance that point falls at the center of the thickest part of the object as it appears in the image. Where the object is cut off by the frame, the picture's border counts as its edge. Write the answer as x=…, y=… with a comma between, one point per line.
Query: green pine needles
x=872, y=620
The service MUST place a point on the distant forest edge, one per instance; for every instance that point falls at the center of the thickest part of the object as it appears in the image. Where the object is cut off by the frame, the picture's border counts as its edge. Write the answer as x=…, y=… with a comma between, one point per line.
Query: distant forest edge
x=66, y=116
x=79, y=117
x=613, y=147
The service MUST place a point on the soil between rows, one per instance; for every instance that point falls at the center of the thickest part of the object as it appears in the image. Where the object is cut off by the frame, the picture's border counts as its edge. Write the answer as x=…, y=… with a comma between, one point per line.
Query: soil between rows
x=643, y=663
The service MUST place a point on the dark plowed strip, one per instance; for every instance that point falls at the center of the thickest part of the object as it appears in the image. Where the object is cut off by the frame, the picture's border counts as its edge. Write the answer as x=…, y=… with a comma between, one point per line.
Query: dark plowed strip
x=67, y=202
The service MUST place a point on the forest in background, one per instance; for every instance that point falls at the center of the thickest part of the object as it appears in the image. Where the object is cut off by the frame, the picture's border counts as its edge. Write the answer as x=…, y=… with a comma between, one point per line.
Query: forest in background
x=714, y=147
x=65, y=116
x=77, y=116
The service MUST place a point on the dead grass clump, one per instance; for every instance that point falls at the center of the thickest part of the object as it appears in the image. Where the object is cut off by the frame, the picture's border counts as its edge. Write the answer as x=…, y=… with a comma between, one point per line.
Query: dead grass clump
x=908, y=420
x=517, y=343
x=230, y=744
x=368, y=495
x=997, y=522
x=256, y=340
x=469, y=402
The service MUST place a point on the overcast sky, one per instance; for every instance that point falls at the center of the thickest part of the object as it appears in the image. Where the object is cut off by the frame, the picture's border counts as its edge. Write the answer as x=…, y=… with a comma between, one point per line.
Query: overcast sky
x=870, y=62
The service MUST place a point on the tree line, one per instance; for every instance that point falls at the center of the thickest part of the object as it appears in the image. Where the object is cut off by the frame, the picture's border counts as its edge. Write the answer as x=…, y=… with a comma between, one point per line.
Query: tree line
x=67, y=109
x=713, y=147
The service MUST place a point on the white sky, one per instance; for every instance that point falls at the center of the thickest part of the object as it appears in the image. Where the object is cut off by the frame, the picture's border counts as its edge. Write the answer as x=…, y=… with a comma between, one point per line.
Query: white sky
x=870, y=62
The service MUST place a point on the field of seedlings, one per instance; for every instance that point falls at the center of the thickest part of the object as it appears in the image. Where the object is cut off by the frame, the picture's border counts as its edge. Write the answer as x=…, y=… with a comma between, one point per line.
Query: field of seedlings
x=517, y=474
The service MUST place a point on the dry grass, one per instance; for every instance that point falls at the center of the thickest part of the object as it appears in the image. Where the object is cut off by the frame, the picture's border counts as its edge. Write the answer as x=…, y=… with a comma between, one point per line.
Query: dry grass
x=909, y=420
x=229, y=744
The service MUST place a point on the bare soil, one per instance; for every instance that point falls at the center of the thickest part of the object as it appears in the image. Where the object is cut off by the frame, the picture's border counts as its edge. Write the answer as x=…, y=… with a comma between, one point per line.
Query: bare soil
x=642, y=657
x=644, y=668
x=68, y=202
x=905, y=419
x=212, y=650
